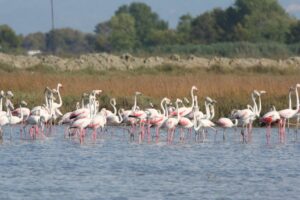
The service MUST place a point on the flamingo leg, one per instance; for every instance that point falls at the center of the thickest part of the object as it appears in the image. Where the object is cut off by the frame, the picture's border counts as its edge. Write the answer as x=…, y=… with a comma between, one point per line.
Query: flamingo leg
x=268, y=133
x=149, y=133
x=157, y=134
x=224, y=136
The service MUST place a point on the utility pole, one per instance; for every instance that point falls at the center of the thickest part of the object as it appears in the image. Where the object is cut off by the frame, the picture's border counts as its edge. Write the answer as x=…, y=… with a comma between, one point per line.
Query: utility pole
x=52, y=21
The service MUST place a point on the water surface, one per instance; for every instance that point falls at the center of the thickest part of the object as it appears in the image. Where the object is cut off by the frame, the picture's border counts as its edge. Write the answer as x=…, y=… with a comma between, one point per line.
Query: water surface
x=114, y=168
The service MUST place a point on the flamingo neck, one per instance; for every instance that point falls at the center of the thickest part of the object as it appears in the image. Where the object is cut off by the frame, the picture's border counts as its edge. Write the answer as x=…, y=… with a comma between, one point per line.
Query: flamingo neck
x=196, y=104
x=255, y=109
x=197, y=124
x=120, y=118
x=193, y=97
x=297, y=99
x=235, y=122
x=207, y=110
x=177, y=110
x=114, y=107
x=21, y=112
x=46, y=100
x=82, y=103
x=1, y=101
x=162, y=107
x=212, y=109
x=290, y=99
x=59, y=97
x=259, y=106
x=135, y=103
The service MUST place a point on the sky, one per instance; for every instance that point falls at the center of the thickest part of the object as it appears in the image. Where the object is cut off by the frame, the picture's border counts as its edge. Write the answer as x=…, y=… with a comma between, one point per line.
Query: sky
x=29, y=16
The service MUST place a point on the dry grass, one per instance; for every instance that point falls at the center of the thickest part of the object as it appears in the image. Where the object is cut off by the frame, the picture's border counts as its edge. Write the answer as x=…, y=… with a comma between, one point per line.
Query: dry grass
x=230, y=90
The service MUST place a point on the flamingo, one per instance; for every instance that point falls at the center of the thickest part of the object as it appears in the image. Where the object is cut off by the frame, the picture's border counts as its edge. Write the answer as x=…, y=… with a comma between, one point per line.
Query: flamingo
x=172, y=122
x=55, y=106
x=246, y=116
x=184, y=111
x=225, y=123
x=80, y=124
x=98, y=121
x=202, y=122
x=159, y=120
x=2, y=95
x=22, y=111
x=113, y=117
x=269, y=118
x=83, y=117
x=288, y=114
x=13, y=120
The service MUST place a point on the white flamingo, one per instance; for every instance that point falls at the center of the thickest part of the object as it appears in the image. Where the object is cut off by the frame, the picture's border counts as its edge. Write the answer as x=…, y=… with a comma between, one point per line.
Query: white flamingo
x=288, y=114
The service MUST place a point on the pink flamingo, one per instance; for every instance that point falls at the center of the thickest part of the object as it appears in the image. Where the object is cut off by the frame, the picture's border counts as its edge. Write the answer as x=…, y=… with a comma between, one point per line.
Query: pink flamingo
x=171, y=123
x=80, y=124
x=226, y=123
x=159, y=120
x=246, y=117
x=269, y=118
x=199, y=123
x=184, y=111
x=288, y=114
x=98, y=121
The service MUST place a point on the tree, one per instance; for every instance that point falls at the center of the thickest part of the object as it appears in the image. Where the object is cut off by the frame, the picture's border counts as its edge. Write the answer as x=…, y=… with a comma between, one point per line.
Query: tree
x=8, y=38
x=163, y=37
x=294, y=35
x=145, y=20
x=103, y=31
x=35, y=41
x=260, y=20
x=67, y=40
x=184, y=28
x=206, y=28
x=122, y=32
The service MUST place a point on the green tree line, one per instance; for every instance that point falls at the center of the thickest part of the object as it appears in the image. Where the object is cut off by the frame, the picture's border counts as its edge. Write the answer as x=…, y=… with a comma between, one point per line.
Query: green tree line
x=250, y=27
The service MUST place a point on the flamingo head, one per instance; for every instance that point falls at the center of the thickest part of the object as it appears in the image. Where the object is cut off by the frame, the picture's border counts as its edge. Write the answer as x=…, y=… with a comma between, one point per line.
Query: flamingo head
x=233, y=114
x=151, y=104
x=257, y=93
x=77, y=105
x=210, y=100
x=186, y=100
x=54, y=91
x=48, y=90
x=96, y=92
x=262, y=92
x=194, y=88
x=178, y=101
x=137, y=93
x=113, y=101
x=59, y=85
x=297, y=85
x=2, y=94
x=23, y=103
x=168, y=101
x=9, y=94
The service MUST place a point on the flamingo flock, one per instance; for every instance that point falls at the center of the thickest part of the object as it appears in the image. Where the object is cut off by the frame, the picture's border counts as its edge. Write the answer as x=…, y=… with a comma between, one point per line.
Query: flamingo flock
x=89, y=117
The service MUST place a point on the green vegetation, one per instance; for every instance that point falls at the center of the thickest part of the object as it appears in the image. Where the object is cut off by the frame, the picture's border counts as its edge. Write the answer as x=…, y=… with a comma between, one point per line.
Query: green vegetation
x=256, y=28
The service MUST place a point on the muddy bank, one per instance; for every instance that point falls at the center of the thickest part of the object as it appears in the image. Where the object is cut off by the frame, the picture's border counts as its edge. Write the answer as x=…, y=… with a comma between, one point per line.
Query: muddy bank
x=103, y=61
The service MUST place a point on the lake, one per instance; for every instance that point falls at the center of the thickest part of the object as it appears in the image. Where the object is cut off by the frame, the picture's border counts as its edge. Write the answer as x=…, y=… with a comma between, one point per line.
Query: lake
x=115, y=168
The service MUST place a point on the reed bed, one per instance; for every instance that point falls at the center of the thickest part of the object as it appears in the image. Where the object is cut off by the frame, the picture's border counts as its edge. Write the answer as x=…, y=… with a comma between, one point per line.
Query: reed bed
x=230, y=90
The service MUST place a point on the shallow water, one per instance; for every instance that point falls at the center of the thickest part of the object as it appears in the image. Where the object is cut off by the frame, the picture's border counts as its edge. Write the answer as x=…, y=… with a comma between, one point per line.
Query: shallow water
x=114, y=168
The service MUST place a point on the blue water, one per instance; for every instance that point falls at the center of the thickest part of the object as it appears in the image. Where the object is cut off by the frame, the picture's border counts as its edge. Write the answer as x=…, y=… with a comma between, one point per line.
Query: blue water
x=114, y=168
